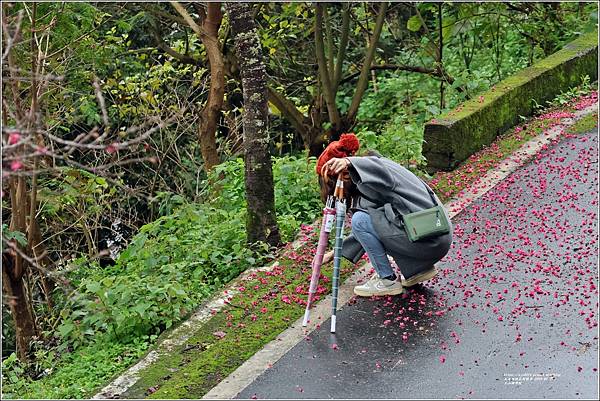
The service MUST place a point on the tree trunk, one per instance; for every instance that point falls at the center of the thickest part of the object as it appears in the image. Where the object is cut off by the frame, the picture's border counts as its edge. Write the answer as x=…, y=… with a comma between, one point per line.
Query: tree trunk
x=324, y=73
x=13, y=272
x=212, y=109
x=208, y=33
x=261, y=223
x=363, y=80
x=16, y=297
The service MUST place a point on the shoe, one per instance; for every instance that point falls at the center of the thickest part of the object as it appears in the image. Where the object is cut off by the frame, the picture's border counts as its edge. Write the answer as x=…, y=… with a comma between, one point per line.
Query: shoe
x=378, y=286
x=420, y=277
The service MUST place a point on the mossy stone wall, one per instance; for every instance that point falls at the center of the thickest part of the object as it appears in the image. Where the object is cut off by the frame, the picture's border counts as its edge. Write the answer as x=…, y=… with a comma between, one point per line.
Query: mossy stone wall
x=454, y=136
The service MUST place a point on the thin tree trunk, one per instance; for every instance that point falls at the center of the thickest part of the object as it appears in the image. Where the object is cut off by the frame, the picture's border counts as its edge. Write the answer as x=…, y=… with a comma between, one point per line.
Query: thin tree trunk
x=330, y=50
x=363, y=80
x=261, y=223
x=324, y=74
x=14, y=266
x=341, y=54
x=208, y=34
x=13, y=271
x=34, y=236
x=16, y=297
x=214, y=104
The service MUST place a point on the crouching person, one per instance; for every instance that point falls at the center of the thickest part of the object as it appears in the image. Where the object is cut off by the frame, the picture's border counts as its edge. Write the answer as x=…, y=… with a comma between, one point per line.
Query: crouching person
x=379, y=192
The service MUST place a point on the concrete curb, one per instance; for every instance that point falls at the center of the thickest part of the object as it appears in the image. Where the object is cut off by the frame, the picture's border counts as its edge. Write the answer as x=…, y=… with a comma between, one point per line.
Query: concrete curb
x=271, y=352
x=179, y=335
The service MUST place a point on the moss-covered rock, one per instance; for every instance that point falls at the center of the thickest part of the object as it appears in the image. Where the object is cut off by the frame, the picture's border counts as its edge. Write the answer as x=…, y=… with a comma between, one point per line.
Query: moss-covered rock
x=454, y=136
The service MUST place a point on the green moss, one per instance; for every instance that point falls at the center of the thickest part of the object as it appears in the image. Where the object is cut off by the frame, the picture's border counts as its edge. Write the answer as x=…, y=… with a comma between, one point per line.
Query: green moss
x=585, y=124
x=584, y=41
x=449, y=184
x=456, y=135
x=192, y=369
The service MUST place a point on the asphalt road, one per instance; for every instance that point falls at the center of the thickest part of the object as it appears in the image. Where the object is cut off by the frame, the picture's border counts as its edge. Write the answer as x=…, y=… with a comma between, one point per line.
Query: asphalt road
x=512, y=314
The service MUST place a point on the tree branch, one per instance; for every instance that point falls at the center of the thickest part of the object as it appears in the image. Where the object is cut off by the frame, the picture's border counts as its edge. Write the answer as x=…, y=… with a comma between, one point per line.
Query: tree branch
x=341, y=55
x=363, y=79
x=162, y=45
x=524, y=10
x=410, y=68
x=291, y=112
x=329, y=36
x=427, y=32
x=166, y=15
x=332, y=110
x=189, y=20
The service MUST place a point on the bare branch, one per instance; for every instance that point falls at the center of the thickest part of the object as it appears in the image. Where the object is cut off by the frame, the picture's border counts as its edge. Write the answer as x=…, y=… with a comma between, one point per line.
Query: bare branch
x=100, y=98
x=324, y=74
x=188, y=19
x=166, y=15
x=369, y=56
x=162, y=45
x=341, y=54
x=33, y=262
x=10, y=40
x=119, y=145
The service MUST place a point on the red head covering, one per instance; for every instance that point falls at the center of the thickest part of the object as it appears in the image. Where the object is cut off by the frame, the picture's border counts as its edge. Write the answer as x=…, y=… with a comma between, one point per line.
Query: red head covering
x=346, y=146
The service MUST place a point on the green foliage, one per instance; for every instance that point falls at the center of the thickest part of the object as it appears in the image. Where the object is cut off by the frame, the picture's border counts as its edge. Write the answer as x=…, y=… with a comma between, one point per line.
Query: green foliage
x=77, y=375
x=128, y=305
x=392, y=119
x=71, y=191
x=169, y=266
x=8, y=235
x=585, y=124
x=12, y=371
x=176, y=261
x=566, y=97
x=482, y=44
x=167, y=202
x=400, y=142
x=296, y=190
x=414, y=23
x=296, y=193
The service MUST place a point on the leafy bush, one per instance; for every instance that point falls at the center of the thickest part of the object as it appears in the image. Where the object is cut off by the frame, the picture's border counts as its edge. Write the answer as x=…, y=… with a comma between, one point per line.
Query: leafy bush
x=567, y=96
x=170, y=265
x=76, y=375
x=296, y=190
x=178, y=260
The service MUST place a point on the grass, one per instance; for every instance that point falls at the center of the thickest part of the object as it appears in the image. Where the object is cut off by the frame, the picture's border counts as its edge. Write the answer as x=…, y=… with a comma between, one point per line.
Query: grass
x=585, y=124
x=78, y=374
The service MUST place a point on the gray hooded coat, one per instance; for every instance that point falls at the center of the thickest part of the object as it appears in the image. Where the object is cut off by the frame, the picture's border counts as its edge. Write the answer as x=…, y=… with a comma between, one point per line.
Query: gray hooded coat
x=383, y=183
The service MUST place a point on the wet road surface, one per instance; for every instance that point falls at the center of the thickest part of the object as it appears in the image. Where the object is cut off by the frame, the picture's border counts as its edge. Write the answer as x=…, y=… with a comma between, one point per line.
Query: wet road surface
x=512, y=314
